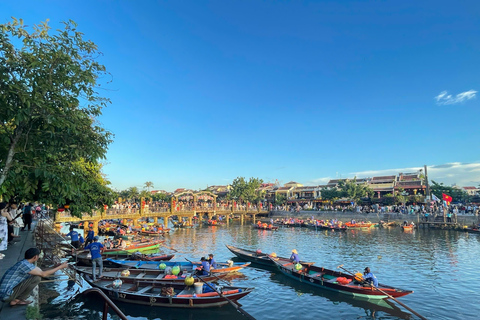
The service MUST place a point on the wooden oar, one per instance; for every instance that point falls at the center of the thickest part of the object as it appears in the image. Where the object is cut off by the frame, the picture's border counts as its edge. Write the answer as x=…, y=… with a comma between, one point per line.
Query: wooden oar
x=234, y=304
x=388, y=295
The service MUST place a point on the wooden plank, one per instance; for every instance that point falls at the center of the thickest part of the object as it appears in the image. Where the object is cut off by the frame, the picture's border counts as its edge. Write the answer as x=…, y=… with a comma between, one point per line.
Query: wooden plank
x=141, y=275
x=145, y=289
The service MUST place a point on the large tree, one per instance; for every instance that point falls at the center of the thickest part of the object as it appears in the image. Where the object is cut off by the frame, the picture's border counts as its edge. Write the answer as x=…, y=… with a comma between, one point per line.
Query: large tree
x=49, y=105
x=243, y=190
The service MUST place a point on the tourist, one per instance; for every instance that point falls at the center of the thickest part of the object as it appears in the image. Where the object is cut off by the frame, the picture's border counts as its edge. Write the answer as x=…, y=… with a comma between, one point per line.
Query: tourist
x=89, y=237
x=369, y=278
x=212, y=261
x=96, y=249
x=294, y=257
x=5, y=219
x=107, y=243
x=205, y=267
x=19, y=280
x=27, y=216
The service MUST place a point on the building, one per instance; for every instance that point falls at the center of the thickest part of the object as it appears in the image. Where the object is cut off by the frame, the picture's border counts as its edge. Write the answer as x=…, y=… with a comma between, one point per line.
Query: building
x=382, y=185
x=471, y=191
x=411, y=183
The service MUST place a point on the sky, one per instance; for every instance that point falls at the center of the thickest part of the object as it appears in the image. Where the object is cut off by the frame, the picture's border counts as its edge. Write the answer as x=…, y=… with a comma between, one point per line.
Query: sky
x=206, y=91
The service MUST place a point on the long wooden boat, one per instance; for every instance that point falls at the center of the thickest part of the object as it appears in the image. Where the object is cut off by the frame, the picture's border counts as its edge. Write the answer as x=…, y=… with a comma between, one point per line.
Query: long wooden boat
x=472, y=230
x=159, y=233
x=151, y=294
x=144, y=275
x=257, y=257
x=408, y=228
x=329, y=227
x=184, y=265
x=336, y=281
x=134, y=247
x=84, y=257
x=359, y=224
x=271, y=228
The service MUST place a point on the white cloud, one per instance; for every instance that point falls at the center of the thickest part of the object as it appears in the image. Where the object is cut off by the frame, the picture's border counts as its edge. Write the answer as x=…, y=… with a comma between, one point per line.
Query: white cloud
x=445, y=99
x=462, y=174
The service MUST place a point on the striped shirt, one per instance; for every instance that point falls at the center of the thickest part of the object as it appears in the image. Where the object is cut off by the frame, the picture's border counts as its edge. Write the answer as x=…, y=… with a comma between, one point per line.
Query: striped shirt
x=18, y=273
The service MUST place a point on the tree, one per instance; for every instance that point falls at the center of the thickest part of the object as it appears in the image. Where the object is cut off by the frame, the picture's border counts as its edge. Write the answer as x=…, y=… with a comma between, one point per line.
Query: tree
x=458, y=195
x=133, y=193
x=148, y=185
x=245, y=191
x=49, y=106
x=351, y=190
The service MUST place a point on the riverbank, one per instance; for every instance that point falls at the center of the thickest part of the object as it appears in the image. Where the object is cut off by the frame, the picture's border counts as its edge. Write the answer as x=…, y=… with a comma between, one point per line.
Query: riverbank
x=462, y=220
x=14, y=253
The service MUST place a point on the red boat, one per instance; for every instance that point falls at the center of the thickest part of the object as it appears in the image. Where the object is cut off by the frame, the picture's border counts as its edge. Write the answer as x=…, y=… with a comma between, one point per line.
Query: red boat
x=265, y=227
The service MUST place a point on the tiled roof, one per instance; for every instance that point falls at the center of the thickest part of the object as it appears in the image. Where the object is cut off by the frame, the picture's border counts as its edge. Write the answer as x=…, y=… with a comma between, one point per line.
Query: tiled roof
x=384, y=178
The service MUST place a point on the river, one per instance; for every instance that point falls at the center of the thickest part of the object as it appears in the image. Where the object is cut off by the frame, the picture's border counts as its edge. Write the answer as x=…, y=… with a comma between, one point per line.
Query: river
x=441, y=266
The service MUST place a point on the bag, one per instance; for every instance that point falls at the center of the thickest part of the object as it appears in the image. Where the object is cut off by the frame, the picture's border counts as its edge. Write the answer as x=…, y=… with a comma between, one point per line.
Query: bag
x=207, y=289
x=167, y=291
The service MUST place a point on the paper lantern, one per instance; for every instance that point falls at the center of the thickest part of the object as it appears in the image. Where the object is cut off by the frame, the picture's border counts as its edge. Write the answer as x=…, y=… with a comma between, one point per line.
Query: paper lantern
x=175, y=270
x=125, y=273
x=189, y=281
x=298, y=266
x=117, y=283
x=162, y=266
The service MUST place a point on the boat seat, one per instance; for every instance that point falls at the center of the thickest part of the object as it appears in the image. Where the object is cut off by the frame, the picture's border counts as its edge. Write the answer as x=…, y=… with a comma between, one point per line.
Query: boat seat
x=147, y=288
x=140, y=275
x=160, y=276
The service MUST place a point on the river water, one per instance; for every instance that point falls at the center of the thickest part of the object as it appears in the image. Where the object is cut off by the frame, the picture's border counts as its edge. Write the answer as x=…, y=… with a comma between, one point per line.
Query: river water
x=441, y=266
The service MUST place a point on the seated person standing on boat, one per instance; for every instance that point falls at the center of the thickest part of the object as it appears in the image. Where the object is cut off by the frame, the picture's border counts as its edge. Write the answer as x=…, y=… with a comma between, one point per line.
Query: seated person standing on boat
x=212, y=261
x=294, y=257
x=74, y=238
x=205, y=268
x=369, y=278
x=96, y=249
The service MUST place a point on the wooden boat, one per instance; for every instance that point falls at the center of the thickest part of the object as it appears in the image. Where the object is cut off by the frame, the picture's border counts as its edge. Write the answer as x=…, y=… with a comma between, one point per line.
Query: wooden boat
x=408, y=228
x=151, y=294
x=472, y=230
x=134, y=247
x=261, y=227
x=84, y=257
x=184, y=265
x=259, y=258
x=336, y=281
x=330, y=227
x=154, y=233
x=359, y=224
x=144, y=275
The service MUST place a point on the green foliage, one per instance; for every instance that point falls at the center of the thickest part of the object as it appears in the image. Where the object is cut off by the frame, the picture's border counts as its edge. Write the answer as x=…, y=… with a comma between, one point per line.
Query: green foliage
x=245, y=191
x=347, y=189
x=51, y=140
x=33, y=313
x=458, y=195
x=330, y=193
x=280, y=199
x=148, y=185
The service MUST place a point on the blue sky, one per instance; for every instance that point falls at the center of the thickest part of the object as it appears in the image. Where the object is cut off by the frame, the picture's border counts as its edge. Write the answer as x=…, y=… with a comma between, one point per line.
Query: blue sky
x=206, y=91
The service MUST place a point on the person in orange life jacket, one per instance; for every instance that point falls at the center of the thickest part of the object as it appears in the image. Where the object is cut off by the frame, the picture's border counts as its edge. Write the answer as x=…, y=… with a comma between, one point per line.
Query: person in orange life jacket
x=294, y=257
x=96, y=249
x=369, y=278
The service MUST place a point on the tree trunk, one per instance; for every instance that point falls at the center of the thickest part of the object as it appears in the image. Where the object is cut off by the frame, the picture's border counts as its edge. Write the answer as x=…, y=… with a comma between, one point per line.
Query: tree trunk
x=11, y=153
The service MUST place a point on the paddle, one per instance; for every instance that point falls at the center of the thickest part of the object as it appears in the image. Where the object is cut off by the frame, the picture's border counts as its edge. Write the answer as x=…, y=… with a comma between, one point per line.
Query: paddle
x=234, y=304
x=385, y=293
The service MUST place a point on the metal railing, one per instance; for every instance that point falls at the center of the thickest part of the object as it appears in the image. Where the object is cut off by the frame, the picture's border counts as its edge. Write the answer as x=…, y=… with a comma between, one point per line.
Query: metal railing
x=107, y=303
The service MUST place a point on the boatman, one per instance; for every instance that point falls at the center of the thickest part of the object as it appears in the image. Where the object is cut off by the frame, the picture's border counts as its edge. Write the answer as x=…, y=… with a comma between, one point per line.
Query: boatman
x=96, y=249
x=74, y=238
x=369, y=278
x=89, y=237
x=205, y=268
x=294, y=257
x=212, y=261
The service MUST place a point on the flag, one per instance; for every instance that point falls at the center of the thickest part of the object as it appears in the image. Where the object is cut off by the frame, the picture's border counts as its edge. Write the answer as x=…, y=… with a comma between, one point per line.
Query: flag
x=446, y=198
x=434, y=198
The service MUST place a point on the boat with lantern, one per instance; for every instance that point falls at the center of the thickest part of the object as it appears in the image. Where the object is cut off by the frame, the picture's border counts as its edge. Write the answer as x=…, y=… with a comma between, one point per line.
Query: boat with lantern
x=257, y=256
x=222, y=267
x=146, y=275
x=161, y=294
x=336, y=281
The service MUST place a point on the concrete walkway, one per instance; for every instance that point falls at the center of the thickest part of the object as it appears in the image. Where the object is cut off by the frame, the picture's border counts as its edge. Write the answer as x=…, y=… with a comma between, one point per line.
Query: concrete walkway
x=14, y=253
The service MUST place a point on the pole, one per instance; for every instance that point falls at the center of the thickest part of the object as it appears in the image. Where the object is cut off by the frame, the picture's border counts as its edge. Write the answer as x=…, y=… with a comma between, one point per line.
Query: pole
x=426, y=182
x=385, y=293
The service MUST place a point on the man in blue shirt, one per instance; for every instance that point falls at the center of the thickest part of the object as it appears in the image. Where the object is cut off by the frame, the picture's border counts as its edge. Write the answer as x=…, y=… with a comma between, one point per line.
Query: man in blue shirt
x=294, y=257
x=212, y=261
x=96, y=249
x=369, y=278
x=74, y=237
x=90, y=236
x=205, y=268
x=19, y=280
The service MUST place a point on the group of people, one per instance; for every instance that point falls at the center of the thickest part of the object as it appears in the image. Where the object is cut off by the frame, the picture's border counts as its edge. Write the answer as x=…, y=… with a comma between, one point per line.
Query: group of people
x=207, y=265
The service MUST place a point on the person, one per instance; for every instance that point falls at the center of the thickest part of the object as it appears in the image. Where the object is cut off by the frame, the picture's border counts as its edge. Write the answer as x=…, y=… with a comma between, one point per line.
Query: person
x=294, y=257
x=212, y=261
x=15, y=214
x=74, y=238
x=96, y=249
x=106, y=243
x=89, y=237
x=205, y=268
x=19, y=280
x=369, y=278
x=27, y=217
x=5, y=219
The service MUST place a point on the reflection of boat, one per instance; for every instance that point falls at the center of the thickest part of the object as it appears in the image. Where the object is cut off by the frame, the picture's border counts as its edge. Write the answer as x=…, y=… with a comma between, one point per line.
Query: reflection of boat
x=153, y=294
x=336, y=281
x=256, y=256
x=184, y=265
x=373, y=306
